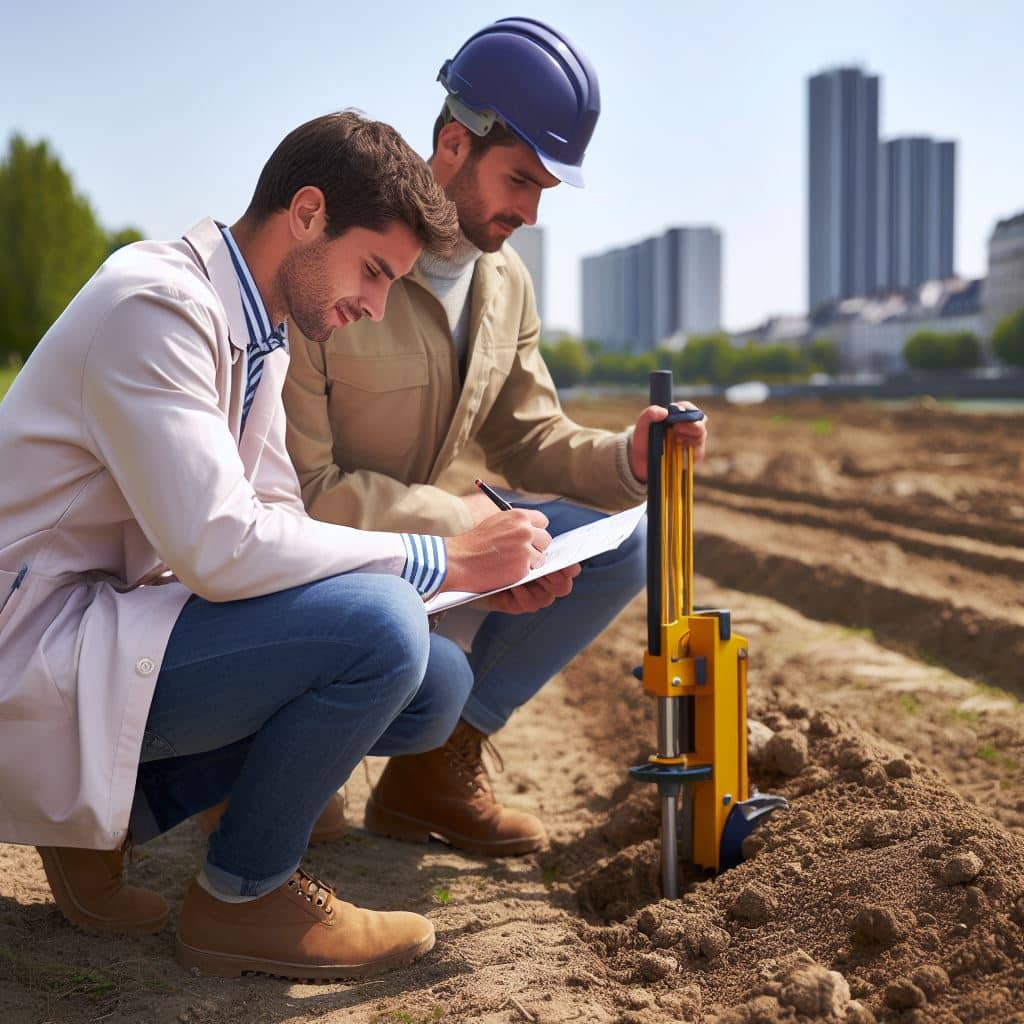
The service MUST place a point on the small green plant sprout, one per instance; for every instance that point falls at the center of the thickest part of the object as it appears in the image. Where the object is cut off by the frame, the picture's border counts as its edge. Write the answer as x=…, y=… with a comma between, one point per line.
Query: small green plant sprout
x=987, y=752
x=550, y=874
x=909, y=703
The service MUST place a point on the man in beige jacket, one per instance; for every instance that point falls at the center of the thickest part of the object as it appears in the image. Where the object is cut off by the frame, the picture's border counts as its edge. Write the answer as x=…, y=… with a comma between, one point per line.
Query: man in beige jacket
x=379, y=416
x=173, y=626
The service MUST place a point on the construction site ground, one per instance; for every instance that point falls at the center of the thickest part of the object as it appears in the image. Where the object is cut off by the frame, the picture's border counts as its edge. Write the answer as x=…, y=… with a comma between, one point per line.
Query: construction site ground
x=874, y=559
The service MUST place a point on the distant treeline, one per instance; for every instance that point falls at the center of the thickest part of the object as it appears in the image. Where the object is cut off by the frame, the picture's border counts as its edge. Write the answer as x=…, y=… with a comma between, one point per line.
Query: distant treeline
x=50, y=244
x=706, y=359
x=712, y=359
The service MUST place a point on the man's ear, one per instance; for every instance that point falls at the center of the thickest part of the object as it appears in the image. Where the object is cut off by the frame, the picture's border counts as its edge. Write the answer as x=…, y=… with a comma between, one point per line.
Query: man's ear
x=453, y=147
x=307, y=214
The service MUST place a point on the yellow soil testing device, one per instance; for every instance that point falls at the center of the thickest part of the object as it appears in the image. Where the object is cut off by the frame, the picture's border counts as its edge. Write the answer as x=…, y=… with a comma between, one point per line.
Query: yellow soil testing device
x=695, y=667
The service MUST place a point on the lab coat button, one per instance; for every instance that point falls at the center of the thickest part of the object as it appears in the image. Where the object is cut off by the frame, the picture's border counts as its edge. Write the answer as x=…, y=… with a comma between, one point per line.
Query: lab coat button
x=145, y=666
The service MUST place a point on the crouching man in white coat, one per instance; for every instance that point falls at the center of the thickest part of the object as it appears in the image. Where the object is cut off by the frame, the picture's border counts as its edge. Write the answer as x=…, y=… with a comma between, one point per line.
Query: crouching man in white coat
x=173, y=627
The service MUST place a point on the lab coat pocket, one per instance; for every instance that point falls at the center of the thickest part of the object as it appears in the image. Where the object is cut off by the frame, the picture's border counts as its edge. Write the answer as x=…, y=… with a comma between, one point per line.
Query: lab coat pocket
x=10, y=584
x=28, y=691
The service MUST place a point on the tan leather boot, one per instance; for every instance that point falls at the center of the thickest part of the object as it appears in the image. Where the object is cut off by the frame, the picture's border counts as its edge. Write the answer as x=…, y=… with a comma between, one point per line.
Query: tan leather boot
x=300, y=931
x=88, y=886
x=447, y=792
x=331, y=824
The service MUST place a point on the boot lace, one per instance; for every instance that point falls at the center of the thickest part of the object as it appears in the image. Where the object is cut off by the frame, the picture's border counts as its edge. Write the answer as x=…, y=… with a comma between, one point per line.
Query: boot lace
x=465, y=751
x=313, y=890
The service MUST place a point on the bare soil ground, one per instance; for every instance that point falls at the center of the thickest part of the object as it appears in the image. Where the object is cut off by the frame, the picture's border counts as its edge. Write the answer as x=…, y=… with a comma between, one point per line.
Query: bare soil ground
x=874, y=561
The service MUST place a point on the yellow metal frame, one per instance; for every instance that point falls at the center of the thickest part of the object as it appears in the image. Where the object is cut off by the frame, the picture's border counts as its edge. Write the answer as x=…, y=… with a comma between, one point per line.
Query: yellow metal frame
x=720, y=702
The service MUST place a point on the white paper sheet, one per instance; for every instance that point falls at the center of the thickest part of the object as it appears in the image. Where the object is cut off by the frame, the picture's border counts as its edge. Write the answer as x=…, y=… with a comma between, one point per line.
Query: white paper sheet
x=565, y=550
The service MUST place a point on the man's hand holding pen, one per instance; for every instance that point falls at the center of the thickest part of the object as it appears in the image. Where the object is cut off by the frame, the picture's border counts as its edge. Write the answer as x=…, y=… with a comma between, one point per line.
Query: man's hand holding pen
x=505, y=537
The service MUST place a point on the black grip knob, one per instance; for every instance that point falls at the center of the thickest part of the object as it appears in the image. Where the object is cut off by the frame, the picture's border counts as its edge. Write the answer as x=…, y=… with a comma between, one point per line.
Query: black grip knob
x=661, y=388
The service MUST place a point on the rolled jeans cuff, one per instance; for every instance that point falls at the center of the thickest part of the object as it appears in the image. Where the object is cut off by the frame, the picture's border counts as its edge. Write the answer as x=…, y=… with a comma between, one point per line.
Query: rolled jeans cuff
x=234, y=885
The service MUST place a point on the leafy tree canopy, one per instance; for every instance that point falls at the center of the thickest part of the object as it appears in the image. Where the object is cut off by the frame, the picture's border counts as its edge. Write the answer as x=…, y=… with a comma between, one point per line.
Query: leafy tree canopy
x=1008, y=339
x=934, y=350
x=50, y=243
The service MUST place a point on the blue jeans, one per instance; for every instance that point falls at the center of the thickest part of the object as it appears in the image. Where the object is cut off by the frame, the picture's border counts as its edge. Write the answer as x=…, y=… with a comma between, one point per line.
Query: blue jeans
x=513, y=656
x=275, y=700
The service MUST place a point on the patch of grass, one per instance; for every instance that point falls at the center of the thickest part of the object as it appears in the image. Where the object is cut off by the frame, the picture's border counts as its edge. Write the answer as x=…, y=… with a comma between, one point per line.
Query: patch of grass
x=990, y=752
x=963, y=715
x=861, y=634
x=779, y=417
x=405, y=1017
x=550, y=874
x=103, y=991
x=442, y=894
x=909, y=703
x=7, y=375
x=61, y=980
x=822, y=427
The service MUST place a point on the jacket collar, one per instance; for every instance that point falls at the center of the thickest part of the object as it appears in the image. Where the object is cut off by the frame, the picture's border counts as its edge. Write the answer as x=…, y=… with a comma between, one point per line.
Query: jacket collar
x=487, y=282
x=207, y=242
x=490, y=268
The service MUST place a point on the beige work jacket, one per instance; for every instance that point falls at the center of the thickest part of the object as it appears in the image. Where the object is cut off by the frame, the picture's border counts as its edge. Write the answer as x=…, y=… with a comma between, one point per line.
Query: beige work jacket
x=121, y=462
x=378, y=417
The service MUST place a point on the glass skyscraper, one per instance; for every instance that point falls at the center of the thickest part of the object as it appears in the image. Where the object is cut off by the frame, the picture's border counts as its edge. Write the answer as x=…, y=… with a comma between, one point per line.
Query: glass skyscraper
x=842, y=213
x=916, y=184
x=637, y=297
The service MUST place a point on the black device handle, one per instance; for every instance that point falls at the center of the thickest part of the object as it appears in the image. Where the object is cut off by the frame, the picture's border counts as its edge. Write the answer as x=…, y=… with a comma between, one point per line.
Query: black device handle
x=661, y=394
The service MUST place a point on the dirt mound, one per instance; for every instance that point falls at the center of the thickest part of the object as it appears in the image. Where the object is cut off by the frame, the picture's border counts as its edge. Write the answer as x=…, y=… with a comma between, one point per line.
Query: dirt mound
x=881, y=895
x=798, y=471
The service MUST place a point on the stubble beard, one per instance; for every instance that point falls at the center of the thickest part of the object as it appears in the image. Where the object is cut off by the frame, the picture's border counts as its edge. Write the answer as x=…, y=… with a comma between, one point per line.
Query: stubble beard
x=464, y=192
x=305, y=290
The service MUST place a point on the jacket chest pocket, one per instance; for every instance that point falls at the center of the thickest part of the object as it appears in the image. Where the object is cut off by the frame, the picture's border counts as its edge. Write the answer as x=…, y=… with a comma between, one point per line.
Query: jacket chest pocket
x=377, y=408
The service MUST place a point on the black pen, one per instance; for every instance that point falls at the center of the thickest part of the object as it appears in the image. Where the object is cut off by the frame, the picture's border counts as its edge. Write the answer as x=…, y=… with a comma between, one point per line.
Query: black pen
x=494, y=496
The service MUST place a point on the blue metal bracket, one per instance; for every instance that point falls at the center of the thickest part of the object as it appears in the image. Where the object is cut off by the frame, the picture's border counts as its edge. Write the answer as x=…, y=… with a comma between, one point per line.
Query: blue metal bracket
x=669, y=777
x=742, y=820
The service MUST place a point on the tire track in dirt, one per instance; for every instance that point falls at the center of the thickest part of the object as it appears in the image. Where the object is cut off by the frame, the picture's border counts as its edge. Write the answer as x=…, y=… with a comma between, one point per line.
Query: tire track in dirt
x=977, y=555
x=825, y=573
x=939, y=520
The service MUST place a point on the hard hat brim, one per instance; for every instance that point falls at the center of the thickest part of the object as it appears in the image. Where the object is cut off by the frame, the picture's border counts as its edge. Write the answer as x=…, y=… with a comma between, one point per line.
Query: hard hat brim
x=570, y=174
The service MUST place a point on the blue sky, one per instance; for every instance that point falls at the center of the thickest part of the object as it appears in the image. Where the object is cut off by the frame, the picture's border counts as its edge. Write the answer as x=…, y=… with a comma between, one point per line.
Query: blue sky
x=166, y=114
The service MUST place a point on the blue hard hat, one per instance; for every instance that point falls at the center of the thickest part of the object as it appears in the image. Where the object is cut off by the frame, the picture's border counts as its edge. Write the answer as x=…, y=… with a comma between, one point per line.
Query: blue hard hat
x=532, y=79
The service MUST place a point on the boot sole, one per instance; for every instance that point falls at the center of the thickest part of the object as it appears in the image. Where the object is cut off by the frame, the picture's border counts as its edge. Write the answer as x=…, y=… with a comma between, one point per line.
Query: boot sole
x=231, y=965
x=394, y=825
x=74, y=912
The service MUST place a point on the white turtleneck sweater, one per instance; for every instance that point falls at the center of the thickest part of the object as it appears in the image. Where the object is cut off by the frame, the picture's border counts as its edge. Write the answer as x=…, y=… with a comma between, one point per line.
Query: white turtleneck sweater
x=449, y=280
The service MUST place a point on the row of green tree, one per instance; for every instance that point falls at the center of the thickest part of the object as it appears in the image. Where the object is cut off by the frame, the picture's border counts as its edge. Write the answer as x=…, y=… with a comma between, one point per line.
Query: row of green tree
x=712, y=359
x=962, y=350
x=50, y=244
x=706, y=359
x=1008, y=339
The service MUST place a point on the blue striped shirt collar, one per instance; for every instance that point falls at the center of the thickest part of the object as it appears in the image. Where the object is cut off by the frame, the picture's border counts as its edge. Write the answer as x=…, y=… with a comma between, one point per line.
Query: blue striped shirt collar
x=257, y=319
